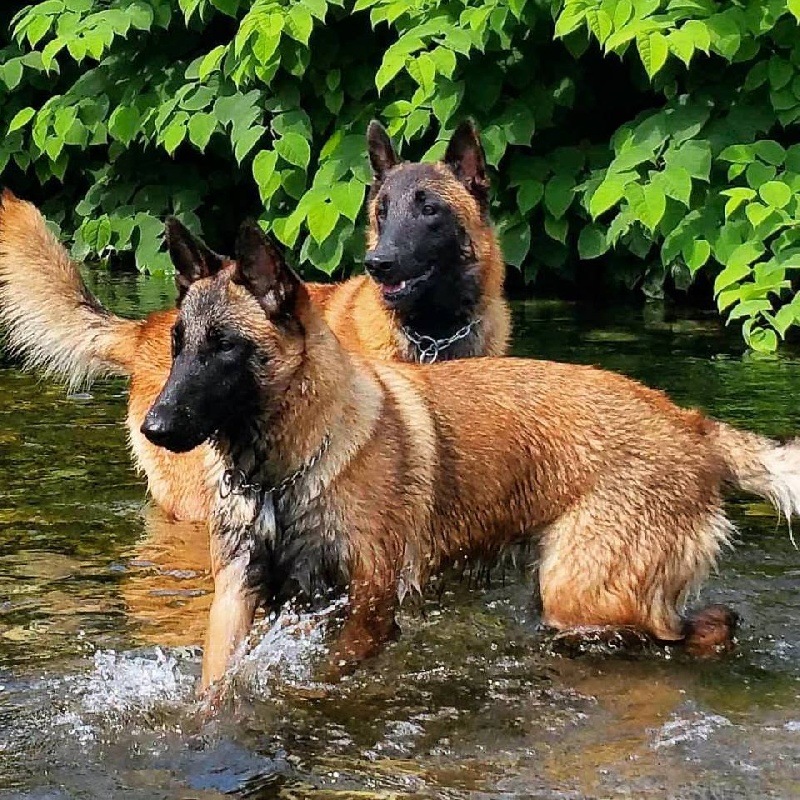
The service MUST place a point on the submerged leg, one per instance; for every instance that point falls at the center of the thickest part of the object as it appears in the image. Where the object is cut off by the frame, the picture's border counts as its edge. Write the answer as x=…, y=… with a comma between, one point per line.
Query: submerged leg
x=370, y=624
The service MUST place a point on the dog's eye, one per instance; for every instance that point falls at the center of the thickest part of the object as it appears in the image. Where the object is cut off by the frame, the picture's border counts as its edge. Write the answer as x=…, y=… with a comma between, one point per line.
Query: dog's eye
x=381, y=209
x=428, y=210
x=225, y=345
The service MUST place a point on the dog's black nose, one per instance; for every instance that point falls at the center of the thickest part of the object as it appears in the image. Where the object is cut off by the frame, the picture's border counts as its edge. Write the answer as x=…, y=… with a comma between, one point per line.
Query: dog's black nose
x=156, y=429
x=379, y=262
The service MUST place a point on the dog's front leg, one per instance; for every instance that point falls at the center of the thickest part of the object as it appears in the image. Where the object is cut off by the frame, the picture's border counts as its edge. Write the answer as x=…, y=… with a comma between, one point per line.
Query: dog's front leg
x=369, y=625
x=230, y=618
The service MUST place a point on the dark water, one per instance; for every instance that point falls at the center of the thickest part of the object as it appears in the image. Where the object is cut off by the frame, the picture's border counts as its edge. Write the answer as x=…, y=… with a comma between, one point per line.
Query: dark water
x=103, y=602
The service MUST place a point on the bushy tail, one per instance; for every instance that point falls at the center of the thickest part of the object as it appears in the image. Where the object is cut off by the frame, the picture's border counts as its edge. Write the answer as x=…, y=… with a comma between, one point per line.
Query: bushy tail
x=762, y=466
x=50, y=317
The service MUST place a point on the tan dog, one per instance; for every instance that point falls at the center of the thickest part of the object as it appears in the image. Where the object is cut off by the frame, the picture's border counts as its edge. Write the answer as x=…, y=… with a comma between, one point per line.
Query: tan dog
x=56, y=324
x=342, y=473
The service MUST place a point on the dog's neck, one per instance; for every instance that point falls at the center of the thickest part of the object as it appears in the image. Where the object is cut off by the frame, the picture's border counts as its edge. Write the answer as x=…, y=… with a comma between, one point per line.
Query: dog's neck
x=446, y=322
x=449, y=304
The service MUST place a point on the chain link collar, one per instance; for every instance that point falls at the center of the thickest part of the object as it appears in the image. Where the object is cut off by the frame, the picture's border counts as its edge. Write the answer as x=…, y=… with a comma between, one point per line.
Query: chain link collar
x=234, y=481
x=430, y=349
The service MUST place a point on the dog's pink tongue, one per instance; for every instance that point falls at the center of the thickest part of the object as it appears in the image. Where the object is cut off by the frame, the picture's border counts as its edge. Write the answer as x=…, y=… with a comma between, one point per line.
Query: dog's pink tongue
x=390, y=288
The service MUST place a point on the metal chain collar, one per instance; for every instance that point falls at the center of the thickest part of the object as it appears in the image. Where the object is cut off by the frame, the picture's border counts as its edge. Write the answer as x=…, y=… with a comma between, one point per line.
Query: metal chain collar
x=430, y=349
x=234, y=481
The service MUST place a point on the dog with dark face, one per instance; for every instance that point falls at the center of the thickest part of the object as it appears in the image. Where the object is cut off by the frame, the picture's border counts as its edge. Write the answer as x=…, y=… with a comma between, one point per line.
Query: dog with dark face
x=436, y=267
x=54, y=322
x=337, y=472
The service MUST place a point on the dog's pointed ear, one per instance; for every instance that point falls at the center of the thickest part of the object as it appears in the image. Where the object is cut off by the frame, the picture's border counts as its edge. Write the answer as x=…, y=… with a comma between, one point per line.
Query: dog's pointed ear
x=466, y=159
x=191, y=257
x=382, y=155
x=263, y=271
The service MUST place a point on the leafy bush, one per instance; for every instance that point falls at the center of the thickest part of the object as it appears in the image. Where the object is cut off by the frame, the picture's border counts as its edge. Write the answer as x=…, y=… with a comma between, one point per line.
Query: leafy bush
x=660, y=130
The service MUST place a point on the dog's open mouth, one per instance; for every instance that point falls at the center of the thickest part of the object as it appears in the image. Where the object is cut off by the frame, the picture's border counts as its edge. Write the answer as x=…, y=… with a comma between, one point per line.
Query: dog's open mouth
x=395, y=291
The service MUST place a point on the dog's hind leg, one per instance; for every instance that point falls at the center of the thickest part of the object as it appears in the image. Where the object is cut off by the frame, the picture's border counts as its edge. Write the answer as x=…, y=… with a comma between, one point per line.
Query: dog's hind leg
x=611, y=564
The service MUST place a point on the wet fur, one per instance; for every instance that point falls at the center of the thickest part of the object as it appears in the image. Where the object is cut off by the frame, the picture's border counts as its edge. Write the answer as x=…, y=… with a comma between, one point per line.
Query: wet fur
x=620, y=490
x=55, y=324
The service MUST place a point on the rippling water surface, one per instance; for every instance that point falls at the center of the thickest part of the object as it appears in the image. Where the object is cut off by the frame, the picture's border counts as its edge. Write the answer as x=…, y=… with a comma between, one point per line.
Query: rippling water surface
x=103, y=604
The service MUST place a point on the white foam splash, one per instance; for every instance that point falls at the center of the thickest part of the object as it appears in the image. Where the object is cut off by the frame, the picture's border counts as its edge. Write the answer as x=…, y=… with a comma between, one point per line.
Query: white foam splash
x=125, y=681
x=124, y=686
x=288, y=646
x=697, y=727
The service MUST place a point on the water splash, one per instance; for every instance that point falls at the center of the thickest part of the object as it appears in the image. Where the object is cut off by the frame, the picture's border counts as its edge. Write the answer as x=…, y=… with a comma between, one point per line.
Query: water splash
x=695, y=727
x=125, y=688
x=287, y=647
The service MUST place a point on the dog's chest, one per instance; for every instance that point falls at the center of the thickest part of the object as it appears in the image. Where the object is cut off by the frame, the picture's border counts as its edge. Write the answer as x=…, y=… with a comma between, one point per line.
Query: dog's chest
x=297, y=547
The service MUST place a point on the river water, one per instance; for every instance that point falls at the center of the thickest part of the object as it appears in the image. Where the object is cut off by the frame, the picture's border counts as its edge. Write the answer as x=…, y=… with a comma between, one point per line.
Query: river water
x=103, y=604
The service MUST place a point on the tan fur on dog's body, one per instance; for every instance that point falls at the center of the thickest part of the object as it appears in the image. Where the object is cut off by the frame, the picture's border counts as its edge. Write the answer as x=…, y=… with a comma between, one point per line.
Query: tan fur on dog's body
x=56, y=325
x=620, y=488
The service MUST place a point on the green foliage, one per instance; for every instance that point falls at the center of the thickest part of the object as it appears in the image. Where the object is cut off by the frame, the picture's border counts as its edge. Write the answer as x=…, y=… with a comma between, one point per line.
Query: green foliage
x=655, y=136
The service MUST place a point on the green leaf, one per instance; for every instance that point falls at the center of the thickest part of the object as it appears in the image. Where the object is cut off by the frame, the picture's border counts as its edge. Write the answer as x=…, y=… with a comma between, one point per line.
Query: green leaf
x=729, y=276
x=20, y=119
x=299, y=23
x=592, y=242
x=738, y=266
x=393, y=62
x=294, y=149
x=245, y=141
x=726, y=35
x=655, y=204
x=348, y=198
x=494, y=143
x=757, y=213
x=779, y=72
x=696, y=253
x=681, y=42
x=783, y=319
x=737, y=195
x=775, y=194
x=609, y=192
x=559, y=194
x=264, y=173
x=738, y=153
x=446, y=100
x=445, y=61
x=676, y=183
x=124, y=124
x=758, y=174
x=140, y=15
x=762, y=340
x=211, y=62
x=794, y=8
x=556, y=228
x=694, y=156
x=653, y=50
x=529, y=195
x=318, y=8
x=173, y=135
x=322, y=218
x=749, y=308
x=423, y=71
x=769, y=151
x=201, y=128
x=515, y=243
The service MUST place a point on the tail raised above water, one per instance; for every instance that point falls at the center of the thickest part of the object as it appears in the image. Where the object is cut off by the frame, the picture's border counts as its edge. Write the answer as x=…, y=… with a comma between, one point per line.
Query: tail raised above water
x=49, y=316
x=762, y=466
